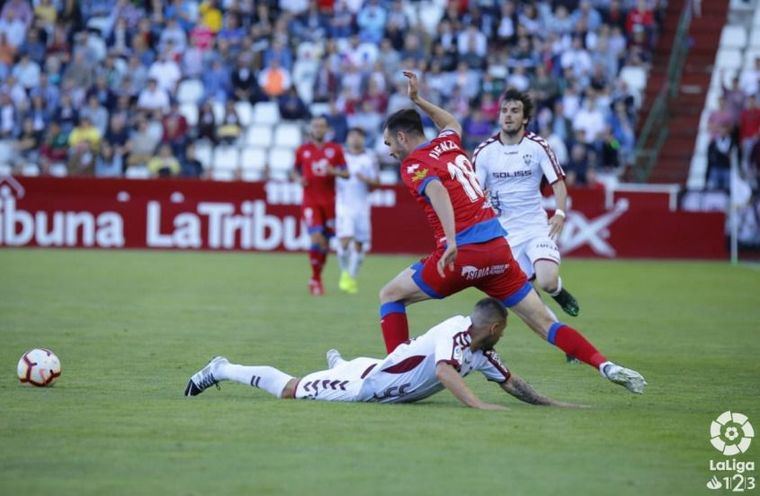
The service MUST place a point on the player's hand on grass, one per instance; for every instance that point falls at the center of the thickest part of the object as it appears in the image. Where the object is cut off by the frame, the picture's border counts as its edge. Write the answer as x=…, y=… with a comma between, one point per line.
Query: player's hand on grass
x=413, y=88
x=556, y=224
x=447, y=259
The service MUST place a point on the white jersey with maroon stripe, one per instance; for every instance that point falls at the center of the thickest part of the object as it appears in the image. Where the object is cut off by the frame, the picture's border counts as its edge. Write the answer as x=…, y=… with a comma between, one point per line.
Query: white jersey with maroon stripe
x=408, y=373
x=512, y=175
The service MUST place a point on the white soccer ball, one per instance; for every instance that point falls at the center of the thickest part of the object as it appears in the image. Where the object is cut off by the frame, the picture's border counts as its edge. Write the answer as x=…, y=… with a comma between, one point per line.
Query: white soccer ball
x=39, y=367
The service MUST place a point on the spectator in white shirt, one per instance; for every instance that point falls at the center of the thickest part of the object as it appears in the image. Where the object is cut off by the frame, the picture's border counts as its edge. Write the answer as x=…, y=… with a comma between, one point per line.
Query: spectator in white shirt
x=153, y=97
x=165, y=71
x=27, y=72
x=589, y=119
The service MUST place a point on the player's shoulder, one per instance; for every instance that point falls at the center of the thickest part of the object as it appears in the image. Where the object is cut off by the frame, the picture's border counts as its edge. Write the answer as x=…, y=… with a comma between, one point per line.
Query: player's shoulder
x=487, y=146
x=532, y=139
x=452, y=326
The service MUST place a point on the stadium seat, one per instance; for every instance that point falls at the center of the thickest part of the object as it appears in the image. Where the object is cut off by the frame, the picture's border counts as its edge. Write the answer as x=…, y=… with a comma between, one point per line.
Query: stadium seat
x=30, y=170
x=287, y=135
x=260, y=136
x=251, y=175
x=749, y=57
x=6, y=150
x=58, y=170
x=733, y=37
x=635, y=77
x=5, y=169
x=319, y=108
x=728, y=58
x=204, y=153
x=266, y=113
x=245, y=113
x=223, y=175
x=137, y=172
x=218, y=108
x=226, y=158
x=281, y=163
x=253, y=158
x=388, y=176
x=190, y=112
x=190, y=91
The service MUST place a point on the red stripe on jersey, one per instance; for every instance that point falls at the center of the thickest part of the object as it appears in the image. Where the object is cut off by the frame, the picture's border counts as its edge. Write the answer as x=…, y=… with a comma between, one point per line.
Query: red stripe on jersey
x=369, y=369
x=496, y=362
x=405, y=365
x=482, y=146
x=552, y=158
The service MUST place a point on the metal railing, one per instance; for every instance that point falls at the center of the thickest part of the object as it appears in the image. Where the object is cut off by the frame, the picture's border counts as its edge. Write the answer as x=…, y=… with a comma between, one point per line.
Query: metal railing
x=654, y=132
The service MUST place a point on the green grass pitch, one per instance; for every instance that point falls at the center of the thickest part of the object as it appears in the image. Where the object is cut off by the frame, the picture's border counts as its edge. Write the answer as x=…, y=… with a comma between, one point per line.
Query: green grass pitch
x=130, y=327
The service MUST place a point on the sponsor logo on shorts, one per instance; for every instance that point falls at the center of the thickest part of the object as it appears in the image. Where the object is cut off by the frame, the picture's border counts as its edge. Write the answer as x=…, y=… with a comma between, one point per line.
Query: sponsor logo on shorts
x=470, y=272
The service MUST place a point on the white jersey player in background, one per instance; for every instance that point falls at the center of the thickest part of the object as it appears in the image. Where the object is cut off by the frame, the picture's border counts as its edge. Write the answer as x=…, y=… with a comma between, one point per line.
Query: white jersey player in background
x=510, y=166
x=425, y=365
x=353, y=226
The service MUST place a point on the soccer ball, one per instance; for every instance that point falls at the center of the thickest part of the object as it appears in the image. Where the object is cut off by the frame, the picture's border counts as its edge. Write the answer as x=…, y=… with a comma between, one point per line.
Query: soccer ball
x=39, y=367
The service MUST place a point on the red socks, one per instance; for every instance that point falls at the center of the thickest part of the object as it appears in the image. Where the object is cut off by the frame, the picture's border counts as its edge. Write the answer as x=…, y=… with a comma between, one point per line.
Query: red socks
x=574, y=344
x=394, y=325
x=317, y=258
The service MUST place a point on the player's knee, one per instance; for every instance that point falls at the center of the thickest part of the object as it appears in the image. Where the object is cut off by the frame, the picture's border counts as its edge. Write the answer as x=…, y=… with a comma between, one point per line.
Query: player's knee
x=390, y=293
x=548, y=281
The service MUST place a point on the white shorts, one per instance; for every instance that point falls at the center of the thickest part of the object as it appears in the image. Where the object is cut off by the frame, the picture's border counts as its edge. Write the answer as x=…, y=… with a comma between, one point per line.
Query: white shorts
x=353, y=224
x=342, y=383
x=529, y=252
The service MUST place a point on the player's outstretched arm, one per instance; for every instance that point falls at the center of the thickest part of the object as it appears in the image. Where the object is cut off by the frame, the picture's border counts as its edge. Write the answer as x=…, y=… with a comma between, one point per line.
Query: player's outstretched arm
x=454, y=383
x=557, y=222
x=523, y=391
x=441, y=118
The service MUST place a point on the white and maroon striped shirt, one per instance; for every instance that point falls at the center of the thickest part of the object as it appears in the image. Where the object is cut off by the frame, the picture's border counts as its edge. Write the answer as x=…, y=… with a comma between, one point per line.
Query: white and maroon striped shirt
x=408, y=374
x=512, y=175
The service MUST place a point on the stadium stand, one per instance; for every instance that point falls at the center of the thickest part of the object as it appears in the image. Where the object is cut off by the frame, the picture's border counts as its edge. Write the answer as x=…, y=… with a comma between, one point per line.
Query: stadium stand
x=343, y=57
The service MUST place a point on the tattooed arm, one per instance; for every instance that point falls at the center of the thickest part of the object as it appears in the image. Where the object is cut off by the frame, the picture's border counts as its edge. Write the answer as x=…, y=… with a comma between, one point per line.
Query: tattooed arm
x=523, y=391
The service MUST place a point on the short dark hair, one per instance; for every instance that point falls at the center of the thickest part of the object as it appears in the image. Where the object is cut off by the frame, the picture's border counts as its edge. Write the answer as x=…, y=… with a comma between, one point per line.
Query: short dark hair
x=513, y=94
x=488, y=311
x=358, y=130
x=406, y=120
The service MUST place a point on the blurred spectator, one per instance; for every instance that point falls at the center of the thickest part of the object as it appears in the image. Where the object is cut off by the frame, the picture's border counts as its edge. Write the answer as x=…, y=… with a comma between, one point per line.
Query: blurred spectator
x=720, y=118
x=274, y=80
x=749, y=129
x=207, y=122
x=589, y=119
x=27, y=144
x=580, y=160
x=719, y=159
x=165, y=71
x=750, y=80
x=292, y=107
x=477, y=128
x=230, y=128
x=337, y=122
x=142, y=143
x=55, y=146
x=27, y=72
x=623, y=131
x=66, y=115
x=95, y=113
x=244, y=84
x=164, y=163
x=84, y=141
x=12, y=26
x=108, y=163
x=371, y=21
x=118, y=133
x=153, y=97
x=175, y=130
x=7, y=116
x=191, y=166
x=217, y=83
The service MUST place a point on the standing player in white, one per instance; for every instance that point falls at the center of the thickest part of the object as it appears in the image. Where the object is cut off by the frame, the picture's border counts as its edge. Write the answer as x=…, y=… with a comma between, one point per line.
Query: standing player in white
x=510, y=166
x=423, y=366
x=352, y=209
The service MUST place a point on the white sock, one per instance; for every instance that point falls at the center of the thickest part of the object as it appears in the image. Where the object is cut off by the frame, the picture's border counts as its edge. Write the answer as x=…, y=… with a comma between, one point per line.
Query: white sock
x=267, y=378
x=344, y=255
x=357, y=257
x=559, y=287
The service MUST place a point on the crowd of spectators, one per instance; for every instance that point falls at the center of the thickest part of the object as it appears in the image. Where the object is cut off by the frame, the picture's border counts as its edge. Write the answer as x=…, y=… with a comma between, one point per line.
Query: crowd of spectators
x=735, y=131
x=90, y=87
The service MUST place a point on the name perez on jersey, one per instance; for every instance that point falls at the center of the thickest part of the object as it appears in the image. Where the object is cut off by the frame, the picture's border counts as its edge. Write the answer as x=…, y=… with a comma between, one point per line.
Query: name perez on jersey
x=443, y=146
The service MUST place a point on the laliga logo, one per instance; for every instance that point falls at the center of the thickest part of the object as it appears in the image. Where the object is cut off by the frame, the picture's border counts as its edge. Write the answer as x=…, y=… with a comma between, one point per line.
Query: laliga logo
x=731, y=433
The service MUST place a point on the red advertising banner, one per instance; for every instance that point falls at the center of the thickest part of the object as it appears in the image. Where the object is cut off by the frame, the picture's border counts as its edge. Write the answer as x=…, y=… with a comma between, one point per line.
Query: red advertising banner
x=207, y=215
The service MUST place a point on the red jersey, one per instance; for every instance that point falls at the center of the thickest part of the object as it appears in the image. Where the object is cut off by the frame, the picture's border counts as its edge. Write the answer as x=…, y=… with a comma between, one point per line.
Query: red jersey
x=311, y=162
x=443, y=159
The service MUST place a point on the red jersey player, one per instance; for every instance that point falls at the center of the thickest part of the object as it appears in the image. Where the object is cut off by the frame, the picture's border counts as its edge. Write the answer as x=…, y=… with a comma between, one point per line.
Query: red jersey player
x=317, y=165
x=471, y=250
